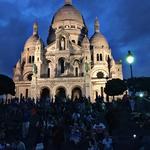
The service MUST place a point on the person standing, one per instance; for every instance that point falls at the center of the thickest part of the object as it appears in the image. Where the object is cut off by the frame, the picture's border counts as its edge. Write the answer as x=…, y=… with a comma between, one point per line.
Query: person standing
x=132, y=104
x=107, y=142
x=18, y=145
x=58, y=137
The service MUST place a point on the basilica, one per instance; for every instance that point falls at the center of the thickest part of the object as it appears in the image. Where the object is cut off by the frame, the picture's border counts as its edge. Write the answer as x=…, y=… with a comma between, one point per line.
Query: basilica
x=70, y=64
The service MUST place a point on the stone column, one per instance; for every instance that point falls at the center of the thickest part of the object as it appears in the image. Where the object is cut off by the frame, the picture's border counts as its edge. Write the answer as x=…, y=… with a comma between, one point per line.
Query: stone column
x=87, y=85
x=34, y=87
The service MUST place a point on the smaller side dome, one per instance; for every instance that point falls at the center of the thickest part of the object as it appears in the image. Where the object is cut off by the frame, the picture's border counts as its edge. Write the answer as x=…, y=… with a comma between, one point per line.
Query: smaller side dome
x=98, y=39
x=18, y=65
x=40, y=42
x=85, y=40
x=17, y=71
x=31, y=41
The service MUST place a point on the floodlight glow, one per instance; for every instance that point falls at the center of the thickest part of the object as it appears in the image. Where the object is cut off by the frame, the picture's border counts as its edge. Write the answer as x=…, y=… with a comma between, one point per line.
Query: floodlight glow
x=134, y=136
x=141, y=94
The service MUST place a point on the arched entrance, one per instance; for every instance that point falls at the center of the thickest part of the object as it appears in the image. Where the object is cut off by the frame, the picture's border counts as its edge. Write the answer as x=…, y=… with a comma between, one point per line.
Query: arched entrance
x=61, y=92
x=45, y=92
x=76, y=93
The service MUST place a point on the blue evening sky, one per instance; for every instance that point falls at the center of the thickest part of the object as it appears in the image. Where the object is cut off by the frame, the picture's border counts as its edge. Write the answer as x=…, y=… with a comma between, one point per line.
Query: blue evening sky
x=125, y=24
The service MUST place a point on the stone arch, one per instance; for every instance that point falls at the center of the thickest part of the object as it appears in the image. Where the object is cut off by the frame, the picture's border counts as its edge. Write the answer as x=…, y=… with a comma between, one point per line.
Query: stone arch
x=96, y=70
x=100, y=75
x=76, y=92
x=45, y=92
x=51, y=68
x=76, y=65
x=28, y=76
x=76, y=62
x=61, y=92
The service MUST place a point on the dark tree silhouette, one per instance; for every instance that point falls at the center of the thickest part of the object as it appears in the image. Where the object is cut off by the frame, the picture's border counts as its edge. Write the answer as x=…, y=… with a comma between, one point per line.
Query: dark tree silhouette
x=139, y=84
x=109, y=66
x=7, y=86
x=115, y=87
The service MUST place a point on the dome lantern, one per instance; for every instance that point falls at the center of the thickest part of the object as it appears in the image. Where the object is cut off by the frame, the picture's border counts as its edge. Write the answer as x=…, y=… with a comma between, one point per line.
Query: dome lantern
x=35, y=28
x=97, y=25
x=68, y=2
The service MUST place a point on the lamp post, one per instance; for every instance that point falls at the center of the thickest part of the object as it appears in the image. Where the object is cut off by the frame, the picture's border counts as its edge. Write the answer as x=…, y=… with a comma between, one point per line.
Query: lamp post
x=130, y=60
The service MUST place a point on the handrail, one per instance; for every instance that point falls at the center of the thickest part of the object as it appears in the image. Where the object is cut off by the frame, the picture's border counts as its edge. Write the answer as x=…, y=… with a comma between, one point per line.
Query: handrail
x=146, y=100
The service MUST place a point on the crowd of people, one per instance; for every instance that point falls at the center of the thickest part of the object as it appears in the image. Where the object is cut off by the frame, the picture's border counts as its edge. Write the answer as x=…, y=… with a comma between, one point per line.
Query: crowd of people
x=63, y=124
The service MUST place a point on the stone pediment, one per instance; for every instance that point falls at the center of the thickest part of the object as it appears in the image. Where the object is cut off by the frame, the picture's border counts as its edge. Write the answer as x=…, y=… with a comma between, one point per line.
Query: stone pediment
x=51, y=46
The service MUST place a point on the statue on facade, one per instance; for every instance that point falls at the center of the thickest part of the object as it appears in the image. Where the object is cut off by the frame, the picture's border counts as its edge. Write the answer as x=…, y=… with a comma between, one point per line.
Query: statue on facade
x=62, y=44
x=86, y=67
x=34, y=69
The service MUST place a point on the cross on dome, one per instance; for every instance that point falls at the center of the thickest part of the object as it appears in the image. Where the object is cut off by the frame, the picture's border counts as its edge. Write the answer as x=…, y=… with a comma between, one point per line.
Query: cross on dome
x=68, y=2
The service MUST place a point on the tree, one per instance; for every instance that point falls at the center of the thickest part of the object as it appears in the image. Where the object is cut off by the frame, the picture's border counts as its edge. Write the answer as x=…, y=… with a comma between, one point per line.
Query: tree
x=7, y=85
x=115, y=87
x=139, y=84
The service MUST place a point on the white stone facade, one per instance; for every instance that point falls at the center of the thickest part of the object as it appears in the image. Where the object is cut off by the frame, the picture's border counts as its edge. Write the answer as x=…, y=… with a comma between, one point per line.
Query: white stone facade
x=70, y=63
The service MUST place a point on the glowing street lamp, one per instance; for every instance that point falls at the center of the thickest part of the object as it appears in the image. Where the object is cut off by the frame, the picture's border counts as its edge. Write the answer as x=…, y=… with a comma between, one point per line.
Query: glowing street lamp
x=141, y=94
x=130, y=59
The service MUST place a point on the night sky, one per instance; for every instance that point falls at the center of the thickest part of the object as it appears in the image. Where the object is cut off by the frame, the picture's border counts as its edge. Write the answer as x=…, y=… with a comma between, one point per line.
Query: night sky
x=125, y=24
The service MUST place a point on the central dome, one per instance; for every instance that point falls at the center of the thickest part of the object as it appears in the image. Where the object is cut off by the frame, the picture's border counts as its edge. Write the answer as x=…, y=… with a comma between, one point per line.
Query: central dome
x=68, y=12
x=69, y=19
